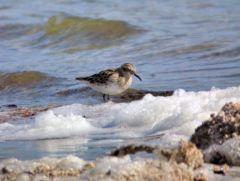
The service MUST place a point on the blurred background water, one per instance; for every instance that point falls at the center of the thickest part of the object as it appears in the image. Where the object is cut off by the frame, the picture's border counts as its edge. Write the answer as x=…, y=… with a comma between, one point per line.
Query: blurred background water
x=44, y=45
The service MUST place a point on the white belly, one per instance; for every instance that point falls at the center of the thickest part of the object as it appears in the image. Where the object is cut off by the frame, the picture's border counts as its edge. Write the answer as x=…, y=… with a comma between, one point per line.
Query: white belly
x=111, y=88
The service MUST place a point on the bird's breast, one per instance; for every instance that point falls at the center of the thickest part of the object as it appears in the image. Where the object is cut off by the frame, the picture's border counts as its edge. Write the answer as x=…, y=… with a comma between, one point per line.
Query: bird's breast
x=113, y=87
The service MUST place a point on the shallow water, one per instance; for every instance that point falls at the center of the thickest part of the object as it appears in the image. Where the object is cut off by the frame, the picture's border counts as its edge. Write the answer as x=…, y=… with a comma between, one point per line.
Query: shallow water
x=175, y=45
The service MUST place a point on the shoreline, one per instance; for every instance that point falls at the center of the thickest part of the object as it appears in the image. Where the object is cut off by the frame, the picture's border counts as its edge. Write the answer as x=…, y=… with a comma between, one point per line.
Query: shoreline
x=186, y=162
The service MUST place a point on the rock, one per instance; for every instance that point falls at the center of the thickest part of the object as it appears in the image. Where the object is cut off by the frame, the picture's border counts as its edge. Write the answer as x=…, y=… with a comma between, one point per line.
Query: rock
x=186, y=153
x=5, y=170
x=228, y=152
x=131, y=149
x=219, y=128
x=219, y=137
x=14, y=113
x=200, y=177
x=127, y=96
x=220, y=169
x=133, y=94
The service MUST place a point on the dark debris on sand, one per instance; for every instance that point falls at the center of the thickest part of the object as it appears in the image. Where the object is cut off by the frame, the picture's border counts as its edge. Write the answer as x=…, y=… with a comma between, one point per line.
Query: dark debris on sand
x=128, y=96
x=131, y=149
x=186, y=153
x=12, y=112
x=133, y=94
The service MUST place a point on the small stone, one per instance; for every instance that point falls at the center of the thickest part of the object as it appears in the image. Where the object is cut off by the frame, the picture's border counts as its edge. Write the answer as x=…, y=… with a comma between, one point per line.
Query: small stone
x=200, y=177
x=131, y=149
x=5, y=170
x=188, y=153
x=220, y=169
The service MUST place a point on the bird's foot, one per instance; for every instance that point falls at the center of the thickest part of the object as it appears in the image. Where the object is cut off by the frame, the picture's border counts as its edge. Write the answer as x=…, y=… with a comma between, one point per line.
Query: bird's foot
x=106, y=98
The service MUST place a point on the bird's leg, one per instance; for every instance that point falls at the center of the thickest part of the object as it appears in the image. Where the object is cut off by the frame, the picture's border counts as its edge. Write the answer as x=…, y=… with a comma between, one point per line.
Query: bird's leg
x=104, y=97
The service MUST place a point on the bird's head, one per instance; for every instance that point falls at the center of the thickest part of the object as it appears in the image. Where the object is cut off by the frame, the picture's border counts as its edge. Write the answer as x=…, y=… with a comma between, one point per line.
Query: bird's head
x=128, y=67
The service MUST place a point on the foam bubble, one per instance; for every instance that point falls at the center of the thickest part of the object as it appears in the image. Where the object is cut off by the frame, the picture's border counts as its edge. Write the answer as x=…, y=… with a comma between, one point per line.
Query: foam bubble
x=47, y=125
x=176, y=117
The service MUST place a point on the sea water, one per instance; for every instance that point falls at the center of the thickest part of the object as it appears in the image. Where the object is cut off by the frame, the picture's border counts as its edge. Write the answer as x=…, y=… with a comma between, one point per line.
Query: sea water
x=185, y=46
x=81, y=126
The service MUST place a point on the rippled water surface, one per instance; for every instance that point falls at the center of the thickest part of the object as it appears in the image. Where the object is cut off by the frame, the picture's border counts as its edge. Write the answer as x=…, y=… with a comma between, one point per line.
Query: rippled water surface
x=44, y=45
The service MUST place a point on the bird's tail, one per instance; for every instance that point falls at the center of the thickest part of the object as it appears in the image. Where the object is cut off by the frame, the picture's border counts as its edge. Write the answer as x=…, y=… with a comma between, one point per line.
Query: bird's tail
x=81, y=78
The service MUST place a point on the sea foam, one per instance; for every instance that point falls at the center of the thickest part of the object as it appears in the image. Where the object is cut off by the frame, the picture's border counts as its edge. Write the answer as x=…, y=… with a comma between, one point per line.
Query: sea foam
x=175, y=117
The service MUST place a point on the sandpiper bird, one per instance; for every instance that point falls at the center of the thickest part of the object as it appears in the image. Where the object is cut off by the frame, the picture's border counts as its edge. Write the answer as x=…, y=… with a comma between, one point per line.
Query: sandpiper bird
x=111, y=81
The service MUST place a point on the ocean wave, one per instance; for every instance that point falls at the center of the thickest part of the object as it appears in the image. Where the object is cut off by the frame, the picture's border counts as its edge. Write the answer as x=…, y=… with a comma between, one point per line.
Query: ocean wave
x=78, y=33
x=13, y=31
x=110, y=29
x=22, y=79
x=192, y=49
x=70, y=34
x=176, y=117
x=230, y=53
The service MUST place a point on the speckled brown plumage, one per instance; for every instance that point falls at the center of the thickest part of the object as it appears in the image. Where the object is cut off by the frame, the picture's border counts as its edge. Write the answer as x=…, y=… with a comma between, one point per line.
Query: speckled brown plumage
x=111, y=81
x=101, y=77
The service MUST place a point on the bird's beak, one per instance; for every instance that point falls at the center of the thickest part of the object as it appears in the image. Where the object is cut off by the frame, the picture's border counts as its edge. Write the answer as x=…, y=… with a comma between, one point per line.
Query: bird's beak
x=137, y=76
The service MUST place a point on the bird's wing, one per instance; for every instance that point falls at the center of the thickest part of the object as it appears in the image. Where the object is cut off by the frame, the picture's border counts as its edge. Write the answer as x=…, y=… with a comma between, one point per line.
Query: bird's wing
x=101, y=77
